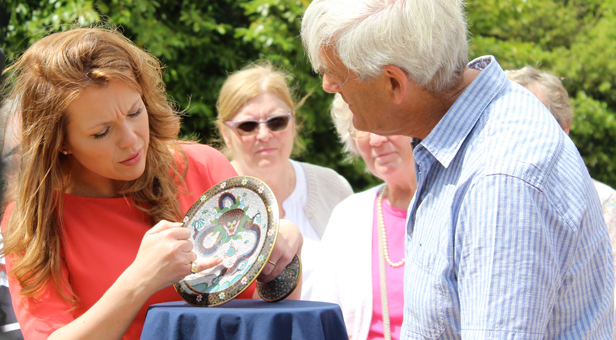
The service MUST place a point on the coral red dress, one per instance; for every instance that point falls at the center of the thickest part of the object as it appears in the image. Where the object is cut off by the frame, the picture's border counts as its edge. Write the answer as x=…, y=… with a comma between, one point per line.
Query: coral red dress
x=102, y=238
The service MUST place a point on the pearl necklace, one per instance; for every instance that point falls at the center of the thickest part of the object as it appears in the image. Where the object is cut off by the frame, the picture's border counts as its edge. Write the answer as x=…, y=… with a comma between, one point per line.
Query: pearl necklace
x=379, y=208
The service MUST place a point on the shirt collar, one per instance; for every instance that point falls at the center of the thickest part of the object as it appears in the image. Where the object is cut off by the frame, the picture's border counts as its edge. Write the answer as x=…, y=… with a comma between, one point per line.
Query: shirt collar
x=445, y=140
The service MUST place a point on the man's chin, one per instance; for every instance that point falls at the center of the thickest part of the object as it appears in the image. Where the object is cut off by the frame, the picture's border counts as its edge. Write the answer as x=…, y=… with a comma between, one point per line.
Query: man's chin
x=360, y=124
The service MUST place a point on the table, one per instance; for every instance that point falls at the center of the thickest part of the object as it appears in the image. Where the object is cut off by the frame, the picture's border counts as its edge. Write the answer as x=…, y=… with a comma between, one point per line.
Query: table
x=245, y=319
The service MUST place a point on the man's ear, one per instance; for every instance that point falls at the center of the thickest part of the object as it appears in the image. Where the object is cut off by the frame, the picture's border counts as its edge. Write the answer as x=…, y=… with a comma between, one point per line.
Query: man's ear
x=397, y=82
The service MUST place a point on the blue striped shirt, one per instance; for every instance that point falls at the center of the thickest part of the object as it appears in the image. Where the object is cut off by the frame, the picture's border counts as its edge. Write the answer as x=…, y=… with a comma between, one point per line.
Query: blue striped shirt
x=505, y=237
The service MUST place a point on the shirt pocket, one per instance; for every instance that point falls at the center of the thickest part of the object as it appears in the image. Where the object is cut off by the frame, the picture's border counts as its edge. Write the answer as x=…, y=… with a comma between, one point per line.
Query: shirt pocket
x=426, y=298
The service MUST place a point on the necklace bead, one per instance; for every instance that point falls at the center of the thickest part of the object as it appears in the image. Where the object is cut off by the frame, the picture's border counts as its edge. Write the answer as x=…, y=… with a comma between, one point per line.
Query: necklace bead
x=381, y=220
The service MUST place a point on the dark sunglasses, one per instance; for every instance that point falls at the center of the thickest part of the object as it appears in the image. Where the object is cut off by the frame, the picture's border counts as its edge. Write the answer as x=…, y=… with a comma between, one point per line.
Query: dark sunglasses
x=250, y=127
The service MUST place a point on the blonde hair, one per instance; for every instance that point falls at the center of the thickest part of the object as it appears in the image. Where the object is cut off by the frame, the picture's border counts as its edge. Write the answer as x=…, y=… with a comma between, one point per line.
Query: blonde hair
x=425, y=38
x=343, y=120
x=49, y=75
x=248, y=83
x=557, y=97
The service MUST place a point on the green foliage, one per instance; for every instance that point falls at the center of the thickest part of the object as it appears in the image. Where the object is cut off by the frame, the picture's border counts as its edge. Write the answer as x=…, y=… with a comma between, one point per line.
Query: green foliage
x=31, y=20
x=594, y=127
x=573, y=39
x=201, y=42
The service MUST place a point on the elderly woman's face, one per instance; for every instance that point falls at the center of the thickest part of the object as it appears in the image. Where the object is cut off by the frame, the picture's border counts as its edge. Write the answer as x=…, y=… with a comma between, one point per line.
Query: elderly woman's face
x=388, y=157
x=261, y=148
x=107, y=138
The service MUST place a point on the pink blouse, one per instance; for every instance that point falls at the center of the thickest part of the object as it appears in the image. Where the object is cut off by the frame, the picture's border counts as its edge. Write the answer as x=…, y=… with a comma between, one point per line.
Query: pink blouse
x=395, y=226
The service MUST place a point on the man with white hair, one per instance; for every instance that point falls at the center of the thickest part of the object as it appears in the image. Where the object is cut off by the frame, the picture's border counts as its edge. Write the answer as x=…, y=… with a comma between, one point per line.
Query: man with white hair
x=505, y=238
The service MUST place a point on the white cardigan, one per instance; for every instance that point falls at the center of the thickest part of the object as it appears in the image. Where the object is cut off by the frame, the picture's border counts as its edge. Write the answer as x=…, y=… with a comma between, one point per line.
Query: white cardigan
x=326, y=188
x=344, y=275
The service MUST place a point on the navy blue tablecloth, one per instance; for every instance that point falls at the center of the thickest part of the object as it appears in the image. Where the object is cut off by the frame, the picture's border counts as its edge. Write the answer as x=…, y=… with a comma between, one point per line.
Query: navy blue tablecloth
x=245, y=319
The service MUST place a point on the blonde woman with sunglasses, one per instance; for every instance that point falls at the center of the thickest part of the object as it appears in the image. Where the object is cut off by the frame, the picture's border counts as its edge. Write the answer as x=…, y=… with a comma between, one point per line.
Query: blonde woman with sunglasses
x=257, y=120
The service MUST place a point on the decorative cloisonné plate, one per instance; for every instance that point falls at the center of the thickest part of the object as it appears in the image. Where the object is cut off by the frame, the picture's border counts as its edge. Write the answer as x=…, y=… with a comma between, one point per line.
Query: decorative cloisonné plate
x=236, y=220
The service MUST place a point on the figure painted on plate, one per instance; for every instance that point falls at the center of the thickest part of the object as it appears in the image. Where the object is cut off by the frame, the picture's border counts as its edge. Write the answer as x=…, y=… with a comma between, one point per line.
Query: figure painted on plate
x=232, y=236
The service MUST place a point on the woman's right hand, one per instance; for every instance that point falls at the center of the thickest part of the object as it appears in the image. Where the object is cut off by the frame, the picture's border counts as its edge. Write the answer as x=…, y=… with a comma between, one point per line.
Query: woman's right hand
x=165, y=256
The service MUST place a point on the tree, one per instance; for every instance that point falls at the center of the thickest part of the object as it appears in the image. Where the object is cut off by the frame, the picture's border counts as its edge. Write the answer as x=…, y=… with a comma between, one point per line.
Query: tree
x=202, y=41
x=572, y=39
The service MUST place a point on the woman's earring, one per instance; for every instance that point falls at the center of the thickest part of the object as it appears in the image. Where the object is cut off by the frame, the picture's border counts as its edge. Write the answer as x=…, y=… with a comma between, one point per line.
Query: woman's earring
x=65, y=152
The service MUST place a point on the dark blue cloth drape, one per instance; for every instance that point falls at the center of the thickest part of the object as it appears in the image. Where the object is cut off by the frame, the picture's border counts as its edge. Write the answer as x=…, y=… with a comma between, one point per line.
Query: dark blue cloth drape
x=245, y=319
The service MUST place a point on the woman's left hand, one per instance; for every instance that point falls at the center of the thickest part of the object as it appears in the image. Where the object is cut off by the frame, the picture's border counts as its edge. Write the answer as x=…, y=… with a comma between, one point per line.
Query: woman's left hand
x=288, y=244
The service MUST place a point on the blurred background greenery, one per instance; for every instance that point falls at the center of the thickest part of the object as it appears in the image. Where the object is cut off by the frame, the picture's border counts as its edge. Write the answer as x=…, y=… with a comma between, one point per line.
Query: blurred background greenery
x=201, y=42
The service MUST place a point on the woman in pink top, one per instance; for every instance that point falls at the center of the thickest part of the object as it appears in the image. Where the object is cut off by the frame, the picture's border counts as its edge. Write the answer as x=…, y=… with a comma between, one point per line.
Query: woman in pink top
x=363, y=246
x=89, y=238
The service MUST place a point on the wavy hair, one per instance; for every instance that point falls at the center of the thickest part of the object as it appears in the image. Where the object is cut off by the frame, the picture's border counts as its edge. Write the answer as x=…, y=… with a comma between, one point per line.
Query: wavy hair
x=49, y=75
x=246, y=84
x=552, y=88
x=427, y=39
